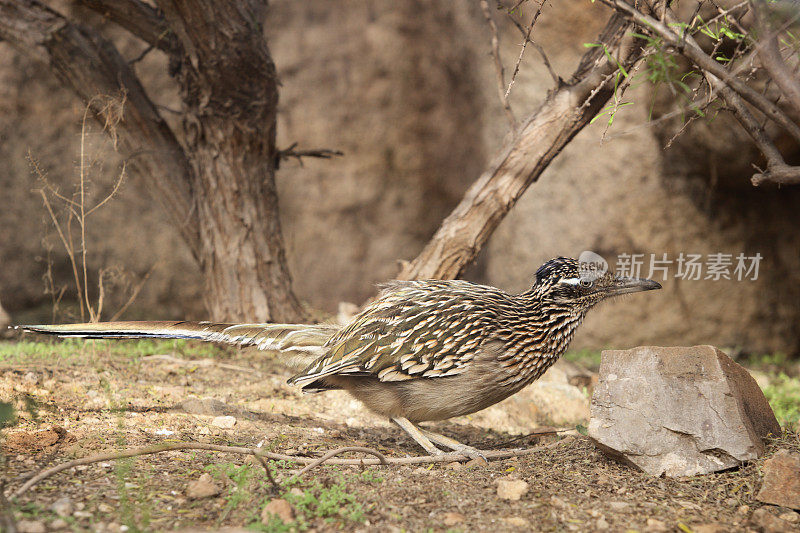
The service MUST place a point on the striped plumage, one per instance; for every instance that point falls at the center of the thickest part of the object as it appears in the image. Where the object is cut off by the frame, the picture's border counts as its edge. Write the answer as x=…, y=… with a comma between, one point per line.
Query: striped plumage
x=423, y=350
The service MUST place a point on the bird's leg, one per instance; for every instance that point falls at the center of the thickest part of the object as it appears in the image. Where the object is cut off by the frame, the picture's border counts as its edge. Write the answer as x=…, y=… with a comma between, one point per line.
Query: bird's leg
x=417, y=435
x=453, y=444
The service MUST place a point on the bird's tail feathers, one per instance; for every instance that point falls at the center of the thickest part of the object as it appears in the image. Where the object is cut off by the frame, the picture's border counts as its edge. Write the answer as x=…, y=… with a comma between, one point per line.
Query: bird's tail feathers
x=304, y=341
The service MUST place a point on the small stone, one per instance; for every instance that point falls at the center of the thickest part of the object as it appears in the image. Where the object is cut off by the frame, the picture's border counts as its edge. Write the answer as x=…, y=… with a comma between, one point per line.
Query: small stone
x=105, y=508
x=451, y=519
x=478, y=461
x=202, y=487
x=82, y=514
x=781, y=480
x=31, y=526
x=517, y=521
x=767, y=522
x=62, y=507
x=743, y=509
x=58, y=523
x=511, y=489
x=731, y=501
x=790, y=517
x=455, y=465
x=601, y=524
x=618, y=506
x=656, y=525
x=710, y=528
x=296, y=492
x=224, y=422
x=277, y=507
x=557, y=502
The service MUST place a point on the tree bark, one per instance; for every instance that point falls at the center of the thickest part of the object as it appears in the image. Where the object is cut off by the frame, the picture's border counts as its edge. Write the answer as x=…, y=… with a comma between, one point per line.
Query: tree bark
x=539, y=139
x=218, y=187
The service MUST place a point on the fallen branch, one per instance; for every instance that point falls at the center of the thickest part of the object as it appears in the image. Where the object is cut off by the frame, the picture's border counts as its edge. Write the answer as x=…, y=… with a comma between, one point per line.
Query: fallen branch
x=259, y=453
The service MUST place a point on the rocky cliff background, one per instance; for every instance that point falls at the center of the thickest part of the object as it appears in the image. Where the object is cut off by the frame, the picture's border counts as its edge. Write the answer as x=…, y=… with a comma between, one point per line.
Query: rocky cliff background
x=406, y=89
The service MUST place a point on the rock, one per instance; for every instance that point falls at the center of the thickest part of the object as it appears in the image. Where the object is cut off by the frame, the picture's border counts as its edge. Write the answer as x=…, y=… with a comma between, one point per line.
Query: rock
x=224, y=422
x=714, y=527
x=62, y=507
x=517, y=521
x=678, y=411
x=559, y=403
x=618, y=506
x=601, y=524
x=511, y=489
x=790, y=516
x=452, y=518
x=277, y=507
x=655, y=525
x=781, y=484
x=477, y=461
x=202, y=487
x=31, y=526
x=767, y=522
x=5, y=319
x=58, y=523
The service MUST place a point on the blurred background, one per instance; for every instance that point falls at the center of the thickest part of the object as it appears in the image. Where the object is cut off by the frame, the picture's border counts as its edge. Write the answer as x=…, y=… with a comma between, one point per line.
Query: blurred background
x=406, y=89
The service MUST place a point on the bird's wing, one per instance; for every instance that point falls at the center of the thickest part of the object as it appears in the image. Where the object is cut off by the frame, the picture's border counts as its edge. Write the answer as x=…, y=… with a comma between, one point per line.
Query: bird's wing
x=414, y=329
x=302, y=338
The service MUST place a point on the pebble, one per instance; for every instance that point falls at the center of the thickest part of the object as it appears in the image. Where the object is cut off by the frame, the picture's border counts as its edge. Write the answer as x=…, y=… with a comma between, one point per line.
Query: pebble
x=619, y=506
x=656, y=525
x=517, y=521
x=30, y=526
x=82, y=514
x=224, y=422
x=511, y=489
x=478, y=461
x=451, y=519
x=790, y=517
x=58, y=523
x=105, y=508
x=601, y=524
x=62, y=507
x=277, y=507
x=202, y=487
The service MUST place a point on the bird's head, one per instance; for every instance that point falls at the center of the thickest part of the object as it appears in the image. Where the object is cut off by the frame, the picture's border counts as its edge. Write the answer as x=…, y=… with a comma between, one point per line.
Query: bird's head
x=562, y=281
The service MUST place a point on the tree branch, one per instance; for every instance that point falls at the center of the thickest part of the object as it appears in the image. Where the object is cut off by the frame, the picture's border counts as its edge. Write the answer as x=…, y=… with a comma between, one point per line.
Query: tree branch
x=689, y=48
x=771, y=58
x=97, y=73
x=498, y=64
x=142, y=20
x=542, y=136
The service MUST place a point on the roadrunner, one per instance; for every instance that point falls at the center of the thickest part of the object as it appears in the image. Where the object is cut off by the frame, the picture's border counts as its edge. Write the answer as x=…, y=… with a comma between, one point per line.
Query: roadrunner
x=423, y=350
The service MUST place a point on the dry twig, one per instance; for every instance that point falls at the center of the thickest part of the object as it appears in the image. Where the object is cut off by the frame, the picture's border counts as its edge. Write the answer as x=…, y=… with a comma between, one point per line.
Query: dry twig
x=498, y=64
x=259, y=453
x=320, y=153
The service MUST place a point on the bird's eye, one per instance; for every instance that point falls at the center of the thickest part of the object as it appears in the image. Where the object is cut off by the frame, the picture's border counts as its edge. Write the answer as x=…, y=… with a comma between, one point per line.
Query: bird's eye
x=586, y=283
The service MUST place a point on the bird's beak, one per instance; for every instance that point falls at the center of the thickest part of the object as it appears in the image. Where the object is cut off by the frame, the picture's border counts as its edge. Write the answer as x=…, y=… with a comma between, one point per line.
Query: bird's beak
x=628, y=285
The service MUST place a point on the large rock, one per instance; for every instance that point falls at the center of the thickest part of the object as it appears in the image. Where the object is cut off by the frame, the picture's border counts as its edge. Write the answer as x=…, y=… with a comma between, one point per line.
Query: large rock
x=781, y=480
x=678, y=411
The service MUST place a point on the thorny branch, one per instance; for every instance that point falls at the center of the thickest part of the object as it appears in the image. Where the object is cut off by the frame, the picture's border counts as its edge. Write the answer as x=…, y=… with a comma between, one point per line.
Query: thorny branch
x=526, y=34
x=260, y=454
x=733, y=90
x=498, y=64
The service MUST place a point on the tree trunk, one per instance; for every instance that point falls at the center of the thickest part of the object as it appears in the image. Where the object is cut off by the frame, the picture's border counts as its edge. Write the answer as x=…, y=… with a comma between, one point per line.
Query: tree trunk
x=218, y=186
x=230, y=93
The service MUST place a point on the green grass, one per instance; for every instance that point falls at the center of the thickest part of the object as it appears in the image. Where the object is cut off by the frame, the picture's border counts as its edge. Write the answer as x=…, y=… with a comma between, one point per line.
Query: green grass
x=72, y=350
x=589, y=359
x=783, y=395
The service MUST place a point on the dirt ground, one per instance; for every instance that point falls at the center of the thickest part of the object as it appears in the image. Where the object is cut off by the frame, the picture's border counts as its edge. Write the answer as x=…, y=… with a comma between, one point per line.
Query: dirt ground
x=74, y=400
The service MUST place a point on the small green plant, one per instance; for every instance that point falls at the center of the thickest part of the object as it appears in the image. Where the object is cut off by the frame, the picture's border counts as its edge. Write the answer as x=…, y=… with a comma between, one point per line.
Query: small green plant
x=783, y=395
